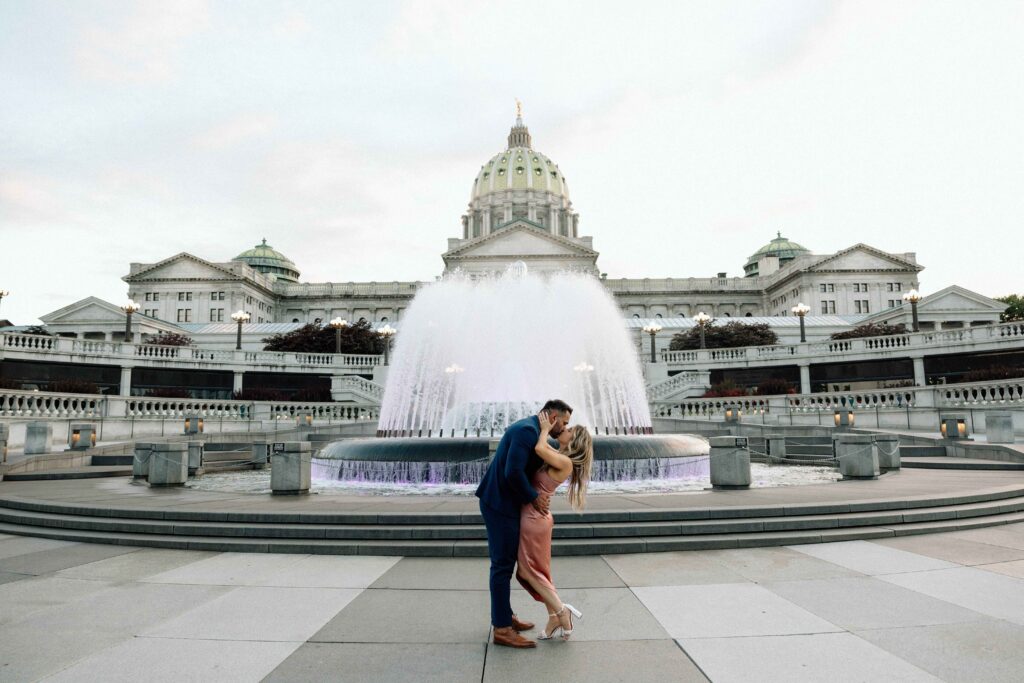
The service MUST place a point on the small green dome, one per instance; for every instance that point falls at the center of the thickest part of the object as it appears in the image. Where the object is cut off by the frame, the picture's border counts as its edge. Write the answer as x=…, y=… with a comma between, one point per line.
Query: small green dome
x=781, y=247
x=266, y=259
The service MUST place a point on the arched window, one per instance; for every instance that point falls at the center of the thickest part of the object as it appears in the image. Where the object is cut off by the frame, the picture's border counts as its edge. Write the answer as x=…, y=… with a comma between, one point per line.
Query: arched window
x=384, y=319
x=658, y=315
x=636, y=315
x=295, y=320
x=749, y=315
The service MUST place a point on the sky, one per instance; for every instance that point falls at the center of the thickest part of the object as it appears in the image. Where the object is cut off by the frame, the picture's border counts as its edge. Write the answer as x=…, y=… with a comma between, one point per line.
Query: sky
x=348, y=134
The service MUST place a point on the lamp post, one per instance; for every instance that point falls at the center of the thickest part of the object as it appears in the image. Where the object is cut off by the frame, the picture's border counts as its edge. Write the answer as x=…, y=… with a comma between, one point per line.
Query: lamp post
x=3, y=293
x=652, y=329
x=913, y=296
x=802, y=309
x=338, y=324
x=129, y=308
x=240, y=317
x=702, y=319
x=387, y=332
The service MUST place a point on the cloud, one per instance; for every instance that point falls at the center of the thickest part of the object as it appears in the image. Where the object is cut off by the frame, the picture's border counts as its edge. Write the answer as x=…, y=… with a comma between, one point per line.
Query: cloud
x=30, y=199
x=142, y=46
x=234, y=131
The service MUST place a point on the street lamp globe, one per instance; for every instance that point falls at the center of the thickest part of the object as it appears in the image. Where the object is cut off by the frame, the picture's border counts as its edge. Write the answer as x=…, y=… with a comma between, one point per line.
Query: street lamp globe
x=387, y=332
x=913, y=296
x=702, y=318
x=240, y=317
x=802, y=309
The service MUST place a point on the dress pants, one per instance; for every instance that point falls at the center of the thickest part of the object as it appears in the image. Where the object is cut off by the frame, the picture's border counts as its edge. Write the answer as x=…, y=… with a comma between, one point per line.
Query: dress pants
x=503, y=548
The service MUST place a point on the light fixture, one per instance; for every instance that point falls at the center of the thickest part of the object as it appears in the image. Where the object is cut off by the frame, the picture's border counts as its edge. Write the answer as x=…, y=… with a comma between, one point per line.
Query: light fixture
x=953, y=428
x=844, y=418
x=801, y=309
x=652, y=329
x=913, y=296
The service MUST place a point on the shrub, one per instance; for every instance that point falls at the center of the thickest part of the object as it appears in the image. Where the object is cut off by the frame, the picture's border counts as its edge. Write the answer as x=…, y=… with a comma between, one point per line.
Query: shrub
x=169, y=339
x=313, y=395
x=358, y=337
x=729, y=335
x=1014, y=308
x=73, y=386
x=996, y=372
x=38, y=330
x=10, y=383
x=168, y=392
x=725, y=388
x=259, y=394
x=870, y=330
x=774, y=386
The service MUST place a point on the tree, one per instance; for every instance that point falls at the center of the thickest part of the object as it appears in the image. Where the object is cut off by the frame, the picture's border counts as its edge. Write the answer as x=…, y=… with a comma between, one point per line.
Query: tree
x=169, y=339
x=870, y=330
x=358, y=337
x=1014, y=308
x=37, y=330
x=731, y=334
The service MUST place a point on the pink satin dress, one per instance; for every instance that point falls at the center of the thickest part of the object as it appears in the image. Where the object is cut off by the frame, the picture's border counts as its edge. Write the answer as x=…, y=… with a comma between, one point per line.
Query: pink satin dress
x=535, y=538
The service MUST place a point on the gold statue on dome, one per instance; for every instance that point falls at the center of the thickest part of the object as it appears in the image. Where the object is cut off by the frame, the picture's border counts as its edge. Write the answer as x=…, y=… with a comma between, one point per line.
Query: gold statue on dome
x=519, y=109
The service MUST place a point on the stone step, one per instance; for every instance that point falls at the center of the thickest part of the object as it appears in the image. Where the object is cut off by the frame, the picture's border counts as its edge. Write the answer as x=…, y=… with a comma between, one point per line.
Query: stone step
x=948, y=463
x=88, y=472
x=922, y=451
x=104, y=460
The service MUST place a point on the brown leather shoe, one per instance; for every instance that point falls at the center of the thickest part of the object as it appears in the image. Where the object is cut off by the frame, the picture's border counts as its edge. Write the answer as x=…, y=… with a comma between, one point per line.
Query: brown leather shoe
x=509, y=637
x=521, y=625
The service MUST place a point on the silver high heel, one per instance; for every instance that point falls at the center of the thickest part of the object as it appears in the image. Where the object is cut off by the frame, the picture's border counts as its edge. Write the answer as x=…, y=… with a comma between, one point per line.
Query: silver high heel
x=566, y=634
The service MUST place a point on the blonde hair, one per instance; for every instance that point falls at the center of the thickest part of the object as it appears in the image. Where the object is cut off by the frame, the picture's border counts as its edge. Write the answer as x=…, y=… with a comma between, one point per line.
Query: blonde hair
x=581, y=452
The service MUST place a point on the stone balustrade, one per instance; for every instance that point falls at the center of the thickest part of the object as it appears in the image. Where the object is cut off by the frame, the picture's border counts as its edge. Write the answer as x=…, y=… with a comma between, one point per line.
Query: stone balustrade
x=988, y=337
x=1005, y=392
x=676, y=383
x=361, y=385
x=41, y=404
x=708, y=408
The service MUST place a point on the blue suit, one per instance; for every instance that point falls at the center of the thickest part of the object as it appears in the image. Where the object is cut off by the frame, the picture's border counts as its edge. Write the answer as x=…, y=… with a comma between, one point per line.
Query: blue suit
x=503, y=491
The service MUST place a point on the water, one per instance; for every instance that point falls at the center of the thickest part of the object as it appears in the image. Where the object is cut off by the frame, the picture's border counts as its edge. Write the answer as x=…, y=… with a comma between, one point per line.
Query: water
x=474, y=356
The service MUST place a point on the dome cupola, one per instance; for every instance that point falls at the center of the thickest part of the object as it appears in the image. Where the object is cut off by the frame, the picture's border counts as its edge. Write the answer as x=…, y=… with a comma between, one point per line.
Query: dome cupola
x=779, y=247
x=268, y=260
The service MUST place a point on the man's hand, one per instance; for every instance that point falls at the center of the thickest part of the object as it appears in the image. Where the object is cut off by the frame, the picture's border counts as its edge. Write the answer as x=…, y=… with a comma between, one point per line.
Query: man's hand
x=541, y=504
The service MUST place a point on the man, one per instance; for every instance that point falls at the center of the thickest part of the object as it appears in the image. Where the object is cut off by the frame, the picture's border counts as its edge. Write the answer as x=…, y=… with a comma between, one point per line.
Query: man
x=503, y=491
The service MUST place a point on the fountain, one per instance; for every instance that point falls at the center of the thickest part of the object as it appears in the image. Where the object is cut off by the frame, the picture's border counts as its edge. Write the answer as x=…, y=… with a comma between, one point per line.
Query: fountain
x=475, y=355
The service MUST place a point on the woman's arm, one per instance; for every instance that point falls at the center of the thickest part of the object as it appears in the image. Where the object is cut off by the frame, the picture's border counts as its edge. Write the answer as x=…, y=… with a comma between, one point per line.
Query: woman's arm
x=555, y=460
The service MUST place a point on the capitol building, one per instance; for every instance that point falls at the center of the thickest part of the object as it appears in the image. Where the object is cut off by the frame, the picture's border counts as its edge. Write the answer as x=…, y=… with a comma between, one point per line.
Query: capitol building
x=520, y=210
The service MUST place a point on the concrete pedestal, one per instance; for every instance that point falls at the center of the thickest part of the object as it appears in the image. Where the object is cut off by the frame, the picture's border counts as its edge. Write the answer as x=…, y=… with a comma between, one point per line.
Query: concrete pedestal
x=81, y=436
x=168, y=464
x=38, y=438
x=775, y=445
x=5, y=434
x=730, y=462
x=999, y=427
x=260, y=454
x=195, y=457
x=291, y=469
x=888, y=448
x=140, y=463
x=857, y=455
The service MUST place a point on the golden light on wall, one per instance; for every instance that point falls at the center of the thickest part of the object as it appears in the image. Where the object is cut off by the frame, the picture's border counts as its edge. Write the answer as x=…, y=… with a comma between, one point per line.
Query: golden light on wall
x=953, y=428
x=844, y=418
x=194, y=424
x=733, y=414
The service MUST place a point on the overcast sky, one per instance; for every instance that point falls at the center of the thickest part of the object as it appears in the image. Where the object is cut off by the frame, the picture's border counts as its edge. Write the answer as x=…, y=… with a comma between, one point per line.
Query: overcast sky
x=349, y=134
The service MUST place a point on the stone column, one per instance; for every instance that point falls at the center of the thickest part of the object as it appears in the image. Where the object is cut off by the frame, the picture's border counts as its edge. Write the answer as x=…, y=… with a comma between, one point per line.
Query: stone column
x=805, y=379
x=140, y=461
x=260, y=455
x=776, y=445
x=291, y=468
x=126, y=382
x=999, y=427
x=196, y=451
x=5, y=434
x=38, y=438
x=857, y=456
x=920, y=378
x=168, y=464
x=888, y=448
x=730, y=462
x=236, y=384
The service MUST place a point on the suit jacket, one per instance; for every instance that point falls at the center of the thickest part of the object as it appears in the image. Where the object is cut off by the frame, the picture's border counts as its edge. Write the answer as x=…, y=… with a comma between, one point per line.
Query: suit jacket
x=506, y=485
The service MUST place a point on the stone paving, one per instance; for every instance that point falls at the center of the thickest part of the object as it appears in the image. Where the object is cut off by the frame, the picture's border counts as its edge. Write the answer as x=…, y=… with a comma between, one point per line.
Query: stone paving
x=921, y=608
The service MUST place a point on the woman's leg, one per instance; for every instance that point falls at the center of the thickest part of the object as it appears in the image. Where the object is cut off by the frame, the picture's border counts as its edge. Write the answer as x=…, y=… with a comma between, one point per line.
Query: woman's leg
x=551, y=601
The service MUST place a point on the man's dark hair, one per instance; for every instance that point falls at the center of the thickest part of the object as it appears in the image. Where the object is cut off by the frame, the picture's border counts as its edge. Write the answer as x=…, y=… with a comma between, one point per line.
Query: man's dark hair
x=559, y=405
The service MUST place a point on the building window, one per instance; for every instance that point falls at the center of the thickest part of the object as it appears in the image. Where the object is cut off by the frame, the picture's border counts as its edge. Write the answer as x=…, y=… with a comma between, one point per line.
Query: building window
x=217, y=296
x=861, y=306
x=216, y=315
x=184, y=315
x=828, y=307
x=827, y=287
x=148, y=295
x=894, y=286
x=156, y=296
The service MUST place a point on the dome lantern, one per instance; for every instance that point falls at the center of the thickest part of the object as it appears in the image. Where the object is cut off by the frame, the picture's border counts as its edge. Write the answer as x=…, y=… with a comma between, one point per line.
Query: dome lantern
x=780, y=247
x=267, y=260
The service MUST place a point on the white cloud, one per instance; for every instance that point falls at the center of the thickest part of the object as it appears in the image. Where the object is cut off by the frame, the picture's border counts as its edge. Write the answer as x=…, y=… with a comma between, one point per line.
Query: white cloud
x=236, y=130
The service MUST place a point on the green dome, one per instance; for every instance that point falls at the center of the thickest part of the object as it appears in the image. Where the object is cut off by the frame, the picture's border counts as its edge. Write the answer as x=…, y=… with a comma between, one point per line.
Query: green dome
x=781, y=247
x=266, y=259
x=519, y=168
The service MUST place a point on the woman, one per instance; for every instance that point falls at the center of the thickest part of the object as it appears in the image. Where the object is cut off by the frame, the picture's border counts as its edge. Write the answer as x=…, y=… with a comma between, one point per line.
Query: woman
x=571, y=461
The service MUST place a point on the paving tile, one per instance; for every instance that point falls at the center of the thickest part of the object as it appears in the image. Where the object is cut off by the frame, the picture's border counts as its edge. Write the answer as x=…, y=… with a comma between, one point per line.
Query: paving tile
x=671, y=569
x=229, y=569
x=53, y=639
x=7, y=577
x=727, y=610
x=411, y=616
x=989, y=593
x=376, y=662
x=870, y=558
x=1015, y=569
x=608, y=614
x=832, y=657
x=22, y=545
x=951, y=548
x=55, y=559
x=464, y=573
x=627, y=661
x=19, y=599
x=135, y=566
x=981, y=651
x=259, y=613
x=866, y=602
x=777, y=564
x=173, y=660
x=1008, y=536
x=331, y=571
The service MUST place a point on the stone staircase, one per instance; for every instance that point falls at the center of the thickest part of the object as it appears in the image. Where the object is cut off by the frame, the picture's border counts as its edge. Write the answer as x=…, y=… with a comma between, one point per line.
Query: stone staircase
x=462, y=534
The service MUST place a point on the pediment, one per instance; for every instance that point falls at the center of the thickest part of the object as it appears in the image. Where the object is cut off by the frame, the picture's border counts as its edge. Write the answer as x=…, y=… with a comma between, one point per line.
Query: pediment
x=862, y=257
x=521, y=240
x=954, y=298
x=88, y=310
x=183, y=266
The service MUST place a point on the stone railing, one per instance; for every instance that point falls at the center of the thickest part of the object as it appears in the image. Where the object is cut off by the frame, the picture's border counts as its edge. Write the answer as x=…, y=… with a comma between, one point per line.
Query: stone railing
x=343, y=412
x=676, y=383
x=41, y=404
x=145, y=407
x=1008, y=392
x=987, y=336
x=712, y=407
x=361, y=385
x=56, y=349
x=852, y=400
